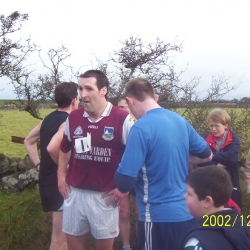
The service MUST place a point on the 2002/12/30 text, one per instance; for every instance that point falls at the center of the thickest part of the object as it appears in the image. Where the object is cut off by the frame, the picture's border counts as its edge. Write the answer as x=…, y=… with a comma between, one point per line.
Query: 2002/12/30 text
x=225, y=220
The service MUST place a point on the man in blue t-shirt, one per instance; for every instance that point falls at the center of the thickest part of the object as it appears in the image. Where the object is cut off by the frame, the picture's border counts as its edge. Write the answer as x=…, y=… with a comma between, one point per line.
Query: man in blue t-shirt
x=159, y=148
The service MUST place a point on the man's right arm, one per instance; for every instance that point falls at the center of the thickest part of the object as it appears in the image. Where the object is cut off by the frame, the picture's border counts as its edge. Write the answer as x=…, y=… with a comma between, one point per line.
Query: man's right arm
x=63, y=161
x=202, y=157
x=199, y=151
x=124, y=183
x=30, y=143
x=54, y=146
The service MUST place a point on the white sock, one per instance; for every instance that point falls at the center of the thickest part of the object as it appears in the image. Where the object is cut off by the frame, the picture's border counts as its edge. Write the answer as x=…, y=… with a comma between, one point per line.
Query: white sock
x=126, y=247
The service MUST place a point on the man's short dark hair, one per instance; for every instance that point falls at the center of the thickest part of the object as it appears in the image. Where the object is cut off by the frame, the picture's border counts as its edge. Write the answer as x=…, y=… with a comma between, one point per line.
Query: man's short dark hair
x=140, y=89
x=101, y=79
x=65, y=92
x=122, y=97
x=211, y=181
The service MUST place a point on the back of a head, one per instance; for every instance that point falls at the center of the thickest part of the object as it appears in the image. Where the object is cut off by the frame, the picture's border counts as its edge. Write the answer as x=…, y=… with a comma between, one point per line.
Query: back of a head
x=211, y=181
x=219, y=115
x=65, y=92
x=101, y=79
x=139, y=88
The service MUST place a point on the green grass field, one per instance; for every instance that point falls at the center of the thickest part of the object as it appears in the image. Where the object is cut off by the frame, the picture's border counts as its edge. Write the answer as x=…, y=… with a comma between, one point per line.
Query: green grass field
x=8, y=102
x=16, y=123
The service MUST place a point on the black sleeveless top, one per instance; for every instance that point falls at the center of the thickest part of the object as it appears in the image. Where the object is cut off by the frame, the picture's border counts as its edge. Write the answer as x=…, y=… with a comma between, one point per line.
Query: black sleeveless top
x=49, y=127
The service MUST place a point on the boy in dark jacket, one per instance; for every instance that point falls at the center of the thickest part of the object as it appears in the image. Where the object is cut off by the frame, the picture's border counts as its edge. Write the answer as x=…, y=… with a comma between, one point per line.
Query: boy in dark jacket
x=217, y=227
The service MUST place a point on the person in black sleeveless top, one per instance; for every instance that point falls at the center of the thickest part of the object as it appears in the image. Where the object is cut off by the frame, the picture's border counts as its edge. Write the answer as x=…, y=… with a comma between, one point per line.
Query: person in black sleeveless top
x=67, y=99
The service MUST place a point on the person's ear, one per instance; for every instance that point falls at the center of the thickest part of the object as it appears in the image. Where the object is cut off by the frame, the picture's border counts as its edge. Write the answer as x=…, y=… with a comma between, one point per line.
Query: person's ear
x=156, y=97
x=208, y=202
x=103, y=91
x=129, y=100
x=73, y=102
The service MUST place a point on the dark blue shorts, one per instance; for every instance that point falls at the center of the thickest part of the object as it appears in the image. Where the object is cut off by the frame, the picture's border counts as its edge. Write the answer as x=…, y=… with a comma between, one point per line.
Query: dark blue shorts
x=51, y=198
x=162, y=235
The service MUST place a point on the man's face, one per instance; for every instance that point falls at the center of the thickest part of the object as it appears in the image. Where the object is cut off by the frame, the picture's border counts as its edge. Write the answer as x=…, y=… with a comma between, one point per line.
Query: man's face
x=92, y=97
x=122, y=104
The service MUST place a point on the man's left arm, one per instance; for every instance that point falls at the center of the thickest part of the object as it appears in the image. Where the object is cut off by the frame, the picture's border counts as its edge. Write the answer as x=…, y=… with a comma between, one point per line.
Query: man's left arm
x=132, y=161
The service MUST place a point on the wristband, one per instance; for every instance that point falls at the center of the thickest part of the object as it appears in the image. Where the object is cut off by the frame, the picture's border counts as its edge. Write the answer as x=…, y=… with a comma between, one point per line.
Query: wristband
x=37, y=165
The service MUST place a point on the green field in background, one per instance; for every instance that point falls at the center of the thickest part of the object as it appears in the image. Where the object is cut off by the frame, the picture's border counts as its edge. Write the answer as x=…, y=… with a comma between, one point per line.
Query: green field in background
x=16, y=123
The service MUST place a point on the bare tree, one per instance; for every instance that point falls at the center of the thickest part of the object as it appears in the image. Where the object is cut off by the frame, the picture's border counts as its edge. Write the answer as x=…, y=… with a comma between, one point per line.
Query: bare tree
x=32, y=89
x=154, y=61
x=56, y=69
x=13, y=53
x=136, y=58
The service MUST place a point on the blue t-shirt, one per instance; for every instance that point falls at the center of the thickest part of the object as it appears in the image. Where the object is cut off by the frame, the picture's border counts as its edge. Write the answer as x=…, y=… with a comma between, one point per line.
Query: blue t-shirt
x=157, y=153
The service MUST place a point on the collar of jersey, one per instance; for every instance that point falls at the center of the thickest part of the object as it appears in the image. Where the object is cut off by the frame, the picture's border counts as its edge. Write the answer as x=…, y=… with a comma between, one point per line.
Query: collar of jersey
x=105, y=113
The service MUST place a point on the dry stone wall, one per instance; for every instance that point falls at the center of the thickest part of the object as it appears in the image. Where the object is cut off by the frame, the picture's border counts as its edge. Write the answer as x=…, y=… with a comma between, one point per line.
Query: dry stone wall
x=17, y=174
x=13, y=106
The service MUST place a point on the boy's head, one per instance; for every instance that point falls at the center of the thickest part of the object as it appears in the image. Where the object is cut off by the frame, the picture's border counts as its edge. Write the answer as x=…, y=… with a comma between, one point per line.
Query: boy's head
x=208, y=190
x=219, y=115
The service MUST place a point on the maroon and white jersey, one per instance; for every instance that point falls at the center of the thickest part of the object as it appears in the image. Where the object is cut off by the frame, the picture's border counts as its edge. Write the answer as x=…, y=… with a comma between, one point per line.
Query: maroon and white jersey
x=96, y=147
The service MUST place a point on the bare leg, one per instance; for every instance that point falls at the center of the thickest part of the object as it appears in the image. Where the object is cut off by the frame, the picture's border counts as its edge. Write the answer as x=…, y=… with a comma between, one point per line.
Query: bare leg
x=124, y=221
x=136, y=212
x=104, y=244
x=77, y=242
x=58, y=237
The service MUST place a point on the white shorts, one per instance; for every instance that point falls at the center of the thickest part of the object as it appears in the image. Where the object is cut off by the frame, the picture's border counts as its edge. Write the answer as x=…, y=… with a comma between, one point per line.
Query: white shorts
x=85, y=211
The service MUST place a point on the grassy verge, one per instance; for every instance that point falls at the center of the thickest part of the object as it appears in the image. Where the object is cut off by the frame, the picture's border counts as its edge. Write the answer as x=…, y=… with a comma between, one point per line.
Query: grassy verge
x=16, y=123
x=23, y=225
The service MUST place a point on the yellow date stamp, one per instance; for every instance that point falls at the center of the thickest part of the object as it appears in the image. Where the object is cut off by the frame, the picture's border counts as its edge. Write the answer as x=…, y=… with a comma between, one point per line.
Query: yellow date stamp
x=225, y=220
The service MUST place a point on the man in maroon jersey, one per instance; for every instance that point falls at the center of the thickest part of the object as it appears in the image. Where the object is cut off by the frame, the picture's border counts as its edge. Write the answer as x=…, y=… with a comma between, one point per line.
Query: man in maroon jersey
x=92, y=147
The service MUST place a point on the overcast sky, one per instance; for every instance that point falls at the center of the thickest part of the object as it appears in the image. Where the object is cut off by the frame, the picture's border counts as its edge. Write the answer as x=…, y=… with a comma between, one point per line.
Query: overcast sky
x=215, y=33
